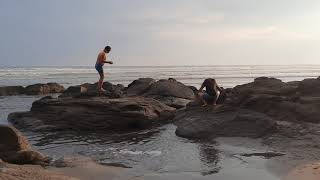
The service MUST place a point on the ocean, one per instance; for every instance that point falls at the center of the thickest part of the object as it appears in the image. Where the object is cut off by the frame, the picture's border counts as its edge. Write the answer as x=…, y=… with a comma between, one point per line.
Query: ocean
x=227, y=76
x=156, y=153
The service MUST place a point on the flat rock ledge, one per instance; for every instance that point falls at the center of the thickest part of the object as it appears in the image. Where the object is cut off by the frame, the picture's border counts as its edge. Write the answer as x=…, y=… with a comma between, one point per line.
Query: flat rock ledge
x=256, y=109
x=93, y=114
x=35, y=89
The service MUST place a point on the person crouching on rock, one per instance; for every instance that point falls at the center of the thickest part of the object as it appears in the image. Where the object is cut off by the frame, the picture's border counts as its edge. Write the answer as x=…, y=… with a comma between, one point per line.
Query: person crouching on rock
x=211, y=95
x=101, y=60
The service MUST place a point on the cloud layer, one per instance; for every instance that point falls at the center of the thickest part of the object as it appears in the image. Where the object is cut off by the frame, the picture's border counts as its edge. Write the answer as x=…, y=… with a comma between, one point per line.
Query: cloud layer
x=175, y=32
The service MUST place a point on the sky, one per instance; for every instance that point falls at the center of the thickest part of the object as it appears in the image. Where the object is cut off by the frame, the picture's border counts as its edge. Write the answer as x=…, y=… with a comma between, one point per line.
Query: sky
x=159, y=33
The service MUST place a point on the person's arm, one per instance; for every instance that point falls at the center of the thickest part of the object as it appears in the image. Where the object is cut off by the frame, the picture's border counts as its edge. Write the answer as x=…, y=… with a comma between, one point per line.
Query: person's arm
x=105, y=60
x=109, y=62
x=201, y=88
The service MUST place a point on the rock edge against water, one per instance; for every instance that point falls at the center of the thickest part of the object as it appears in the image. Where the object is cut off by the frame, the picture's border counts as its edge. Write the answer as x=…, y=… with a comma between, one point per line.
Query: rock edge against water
x=250, y=110
x=35, y=89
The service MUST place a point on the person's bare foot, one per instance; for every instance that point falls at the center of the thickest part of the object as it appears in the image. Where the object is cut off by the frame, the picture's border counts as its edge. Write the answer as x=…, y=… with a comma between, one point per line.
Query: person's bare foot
x=102, y=90
x=204, y=105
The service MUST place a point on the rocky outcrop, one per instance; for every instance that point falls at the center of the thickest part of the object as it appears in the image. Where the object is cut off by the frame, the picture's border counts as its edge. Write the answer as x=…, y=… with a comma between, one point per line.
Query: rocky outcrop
x=293, y=101
x=14, y=148
x=200, y=122
x=139, y=86
x=42, y=89
x=171, y=88
x=253, y=109
x=170, y=92
x=35, y=89
x=11, y=90
x=93, y=114
x=90, y=90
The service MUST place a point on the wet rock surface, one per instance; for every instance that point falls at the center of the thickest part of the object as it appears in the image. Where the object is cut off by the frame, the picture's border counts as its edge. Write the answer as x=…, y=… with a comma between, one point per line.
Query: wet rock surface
x=15, y=148
x=253, y=110
x=205, y=122
x=93, y=114
x=91, y=90
x=35, y=89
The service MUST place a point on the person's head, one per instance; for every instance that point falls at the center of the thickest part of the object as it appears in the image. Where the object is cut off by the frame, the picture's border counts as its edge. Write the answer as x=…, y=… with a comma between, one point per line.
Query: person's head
x=107, y=49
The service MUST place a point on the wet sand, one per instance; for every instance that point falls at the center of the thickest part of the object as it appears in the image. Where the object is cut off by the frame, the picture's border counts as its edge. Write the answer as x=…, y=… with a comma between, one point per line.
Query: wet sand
x=305, y=172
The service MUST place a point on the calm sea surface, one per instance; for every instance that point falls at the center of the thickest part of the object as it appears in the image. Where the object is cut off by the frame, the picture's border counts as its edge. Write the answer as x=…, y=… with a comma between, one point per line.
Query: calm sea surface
x=157, y=153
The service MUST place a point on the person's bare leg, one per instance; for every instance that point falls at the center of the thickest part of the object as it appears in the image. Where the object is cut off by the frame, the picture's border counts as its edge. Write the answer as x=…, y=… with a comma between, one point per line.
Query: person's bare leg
x=101, y=83
x=204, y=102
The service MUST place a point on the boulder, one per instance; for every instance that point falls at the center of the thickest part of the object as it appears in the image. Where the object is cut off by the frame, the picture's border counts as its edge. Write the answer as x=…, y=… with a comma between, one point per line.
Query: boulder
x=14, y=148
x=171, y=88
x=265, y=85
x=42, y=89
x=175, y=102
x=90, y=90
x=292, y=101
x=139, y=86
x=202, y=123
x=11, y=90
x=93, y=114
x=309, y=87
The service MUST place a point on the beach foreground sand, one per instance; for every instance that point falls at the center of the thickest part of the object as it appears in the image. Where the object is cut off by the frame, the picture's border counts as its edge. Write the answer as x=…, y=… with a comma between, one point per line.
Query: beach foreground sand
x=305, y=172
x=76, y=169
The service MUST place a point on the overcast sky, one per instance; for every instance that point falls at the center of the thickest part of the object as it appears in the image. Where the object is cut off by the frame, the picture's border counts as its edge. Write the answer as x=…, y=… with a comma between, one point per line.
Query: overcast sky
x=162, y=32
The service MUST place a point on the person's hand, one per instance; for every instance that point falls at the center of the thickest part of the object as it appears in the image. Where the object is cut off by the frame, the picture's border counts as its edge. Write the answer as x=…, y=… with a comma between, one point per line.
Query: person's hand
x=111, y=62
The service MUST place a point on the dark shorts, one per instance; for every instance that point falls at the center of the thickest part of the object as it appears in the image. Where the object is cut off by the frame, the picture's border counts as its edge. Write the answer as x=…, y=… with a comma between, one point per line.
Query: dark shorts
x=99, y=68
x=209, y=98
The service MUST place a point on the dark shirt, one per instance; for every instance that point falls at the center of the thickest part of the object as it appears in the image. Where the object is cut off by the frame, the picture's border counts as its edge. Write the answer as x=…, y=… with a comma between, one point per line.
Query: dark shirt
x=209, y=87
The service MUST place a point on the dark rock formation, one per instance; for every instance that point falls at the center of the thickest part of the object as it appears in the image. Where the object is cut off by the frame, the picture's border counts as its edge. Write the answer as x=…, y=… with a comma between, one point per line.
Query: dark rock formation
x=170, y=92
x=14, y=148
x=93, y=114
x=170, y=88
x=35, y=89
x=41, y=89
x=11, y=90
x=293, y=101
x=252, y=109
x=204, y=122
x=90, y=90
x=139, y=86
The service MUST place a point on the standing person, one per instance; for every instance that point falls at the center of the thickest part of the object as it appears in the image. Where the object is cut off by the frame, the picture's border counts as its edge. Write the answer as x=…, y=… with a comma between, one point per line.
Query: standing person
x=212, y=92
x=101, y=60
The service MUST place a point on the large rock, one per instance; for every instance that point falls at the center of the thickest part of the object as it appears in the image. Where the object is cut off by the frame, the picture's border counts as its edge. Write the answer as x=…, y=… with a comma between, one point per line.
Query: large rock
x=11, y=90
x=265, y=85
x=292, y=101
x=91, y=90
x=170, y=88
x=42, y=89
x=309, y=87
x=93, y=114
x=199, y=122
x=35, y=89
x=139, y=86
x=14, y=148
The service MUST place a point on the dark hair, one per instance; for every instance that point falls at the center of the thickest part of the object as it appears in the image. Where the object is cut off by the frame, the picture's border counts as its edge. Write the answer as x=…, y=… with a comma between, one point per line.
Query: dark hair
x=107, y=48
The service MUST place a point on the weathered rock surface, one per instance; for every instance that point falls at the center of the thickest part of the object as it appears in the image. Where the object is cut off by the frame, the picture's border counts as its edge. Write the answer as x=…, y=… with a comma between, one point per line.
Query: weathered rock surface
x=252, y=109
x=170, y=88
x=93, y=114
x=200, y=122
x=169, y=92
x=90, y=90
x=139, y=86
x=35, y=89
x=293, y=101
x=41, y=89
x=14, y=148
x=11, y=90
